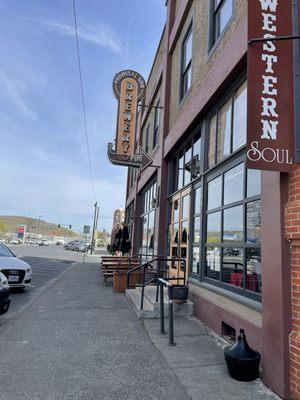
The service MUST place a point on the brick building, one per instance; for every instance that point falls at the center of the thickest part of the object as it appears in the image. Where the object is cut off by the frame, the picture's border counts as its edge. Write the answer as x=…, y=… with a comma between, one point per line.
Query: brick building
x=238, y=229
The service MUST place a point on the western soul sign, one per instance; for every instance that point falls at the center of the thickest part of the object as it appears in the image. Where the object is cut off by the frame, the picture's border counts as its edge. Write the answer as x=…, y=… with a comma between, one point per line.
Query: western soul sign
x=270, y=141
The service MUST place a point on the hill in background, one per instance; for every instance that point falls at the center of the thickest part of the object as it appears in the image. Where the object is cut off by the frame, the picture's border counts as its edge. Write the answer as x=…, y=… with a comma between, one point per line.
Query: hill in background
x=9, y=224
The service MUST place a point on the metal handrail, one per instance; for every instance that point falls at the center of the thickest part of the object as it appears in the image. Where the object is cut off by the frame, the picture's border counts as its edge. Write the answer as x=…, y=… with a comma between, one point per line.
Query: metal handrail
x=159, y=270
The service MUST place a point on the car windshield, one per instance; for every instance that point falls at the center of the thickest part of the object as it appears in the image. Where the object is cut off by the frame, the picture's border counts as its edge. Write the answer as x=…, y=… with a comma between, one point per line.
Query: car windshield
x=4, y=251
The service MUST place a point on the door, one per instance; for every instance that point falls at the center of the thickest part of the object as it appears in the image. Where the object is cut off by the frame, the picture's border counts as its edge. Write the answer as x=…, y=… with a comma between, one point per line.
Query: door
x=179, y=230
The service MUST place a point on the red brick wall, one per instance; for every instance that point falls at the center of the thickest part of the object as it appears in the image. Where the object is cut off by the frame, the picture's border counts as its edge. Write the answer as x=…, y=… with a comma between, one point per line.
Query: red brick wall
x=293, y=235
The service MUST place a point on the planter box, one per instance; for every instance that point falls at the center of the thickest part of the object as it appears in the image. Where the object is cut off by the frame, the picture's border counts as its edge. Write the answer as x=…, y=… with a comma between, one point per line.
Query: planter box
x=120, y=280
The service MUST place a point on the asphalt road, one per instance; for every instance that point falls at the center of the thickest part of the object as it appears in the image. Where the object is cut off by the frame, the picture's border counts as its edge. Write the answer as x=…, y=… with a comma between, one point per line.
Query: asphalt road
x=47, y=263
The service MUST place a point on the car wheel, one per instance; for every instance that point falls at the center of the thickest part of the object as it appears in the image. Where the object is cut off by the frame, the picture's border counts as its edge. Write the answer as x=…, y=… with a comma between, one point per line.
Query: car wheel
x=77, y=249
x=66, y=248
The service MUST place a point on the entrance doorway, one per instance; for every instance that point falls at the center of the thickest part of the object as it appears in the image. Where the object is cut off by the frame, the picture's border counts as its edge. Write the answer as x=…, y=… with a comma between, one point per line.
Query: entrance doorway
x=179, y=230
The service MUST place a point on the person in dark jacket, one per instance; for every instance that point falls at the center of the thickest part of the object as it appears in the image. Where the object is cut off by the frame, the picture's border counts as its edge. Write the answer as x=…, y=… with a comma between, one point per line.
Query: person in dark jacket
x=125, y=242
x=118, y=241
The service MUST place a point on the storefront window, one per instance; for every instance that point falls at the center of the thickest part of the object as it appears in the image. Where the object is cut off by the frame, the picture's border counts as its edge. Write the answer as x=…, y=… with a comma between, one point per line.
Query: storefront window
x=233, y=229
x=224, y=131
x=148, y=218
x=212, y=141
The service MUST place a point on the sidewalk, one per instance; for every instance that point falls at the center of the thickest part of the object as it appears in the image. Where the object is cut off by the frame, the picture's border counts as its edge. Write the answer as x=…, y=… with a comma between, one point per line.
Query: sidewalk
x=80, y=340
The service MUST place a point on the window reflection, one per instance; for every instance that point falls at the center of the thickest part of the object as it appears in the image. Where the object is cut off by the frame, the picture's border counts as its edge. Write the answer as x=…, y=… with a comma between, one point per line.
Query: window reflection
x=240, y=117
x=214, y=193
x=213, y=262
x=198, y=200
x=233, y=266
x=196, y=260
x=175, y=233
x=234, y=184
x=253, y=258
x=187, y=166
x=233, y=224
x=212, y=141
x=180, y=172
x=185, y=206
x=176, y=211
x=254, y=222
x=214, y=228
x=253, y=182
x=197, y=230
x=184, y=232
x=224, y=131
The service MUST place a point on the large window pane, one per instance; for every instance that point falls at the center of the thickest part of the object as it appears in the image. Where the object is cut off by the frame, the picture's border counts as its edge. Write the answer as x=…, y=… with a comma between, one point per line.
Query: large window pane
x=213, y=262
x=185, y=206
x=175, y=233
x=233, y=266
x=176, y=211
x=214, y=198
x=224, y=131
x=196, y=260
x=197, y=221
x=198, y=200
x=253, y=259
x=254, y=222
x=187, y=166
x=212, y=141
x=184, y=232
x=233, y=224
x=213, y=228
x=240, y=117
x=188, y=46
x=253, y=182
x=180, y=172
x=151, y=231
x=234, y=184
x=145, y=233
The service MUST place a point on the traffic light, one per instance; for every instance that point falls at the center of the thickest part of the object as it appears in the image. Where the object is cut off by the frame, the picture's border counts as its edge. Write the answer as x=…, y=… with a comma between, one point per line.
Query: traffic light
x=58, y=225
x=70, y=226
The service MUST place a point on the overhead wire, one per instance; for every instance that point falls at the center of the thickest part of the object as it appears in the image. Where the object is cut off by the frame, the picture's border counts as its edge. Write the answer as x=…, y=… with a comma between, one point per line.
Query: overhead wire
x=83, y=101
x=17, y=189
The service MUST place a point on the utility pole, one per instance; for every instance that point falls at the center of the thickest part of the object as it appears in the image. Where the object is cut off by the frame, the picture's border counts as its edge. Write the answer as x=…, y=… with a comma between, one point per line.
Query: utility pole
x=96, y=213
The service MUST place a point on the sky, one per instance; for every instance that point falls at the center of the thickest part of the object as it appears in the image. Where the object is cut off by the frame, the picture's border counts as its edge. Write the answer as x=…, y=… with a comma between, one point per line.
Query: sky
x=44, y=165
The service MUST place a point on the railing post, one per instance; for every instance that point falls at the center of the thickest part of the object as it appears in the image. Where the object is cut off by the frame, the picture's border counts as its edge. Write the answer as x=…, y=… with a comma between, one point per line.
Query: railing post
x=143, y=287
x=171, y=320
x=162, y=309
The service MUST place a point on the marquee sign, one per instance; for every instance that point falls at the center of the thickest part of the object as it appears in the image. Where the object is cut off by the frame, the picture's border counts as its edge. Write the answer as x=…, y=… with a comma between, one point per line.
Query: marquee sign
x=270, y=127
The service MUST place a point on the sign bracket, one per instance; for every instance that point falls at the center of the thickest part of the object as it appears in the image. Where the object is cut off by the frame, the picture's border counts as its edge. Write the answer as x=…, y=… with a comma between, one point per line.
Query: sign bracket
x=273, y=39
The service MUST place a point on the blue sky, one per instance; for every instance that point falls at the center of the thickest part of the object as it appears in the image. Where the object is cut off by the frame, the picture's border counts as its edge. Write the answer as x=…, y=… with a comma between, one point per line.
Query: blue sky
x=44, y=163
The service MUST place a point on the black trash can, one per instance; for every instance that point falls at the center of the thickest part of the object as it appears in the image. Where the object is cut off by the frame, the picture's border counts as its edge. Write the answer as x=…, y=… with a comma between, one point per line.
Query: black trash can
x=179, y=293
x=242, y=361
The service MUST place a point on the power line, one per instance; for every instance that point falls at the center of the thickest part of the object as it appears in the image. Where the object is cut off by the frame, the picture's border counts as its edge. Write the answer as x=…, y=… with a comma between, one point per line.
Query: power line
x=83, y=102
x=142, y=49
x=147, y=59
x=48, y=196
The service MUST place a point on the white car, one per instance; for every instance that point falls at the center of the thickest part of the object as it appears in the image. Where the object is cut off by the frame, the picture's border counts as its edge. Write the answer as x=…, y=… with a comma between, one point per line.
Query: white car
x=17, y=272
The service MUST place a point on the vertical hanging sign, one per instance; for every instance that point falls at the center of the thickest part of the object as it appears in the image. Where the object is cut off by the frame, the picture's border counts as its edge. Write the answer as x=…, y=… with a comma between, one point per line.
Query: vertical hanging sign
x=270, y=127
x=129, y=88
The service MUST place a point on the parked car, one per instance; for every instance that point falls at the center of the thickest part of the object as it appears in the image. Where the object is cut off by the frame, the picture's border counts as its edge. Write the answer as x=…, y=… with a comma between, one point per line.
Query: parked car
x=4, y=294
x=15, y=241
x=43, y=242
x=76, y=245
x=17, y=272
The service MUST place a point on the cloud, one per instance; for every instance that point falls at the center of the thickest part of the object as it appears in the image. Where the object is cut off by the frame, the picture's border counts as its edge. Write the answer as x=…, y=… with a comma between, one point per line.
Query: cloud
x=15, y=92
x=99, y=34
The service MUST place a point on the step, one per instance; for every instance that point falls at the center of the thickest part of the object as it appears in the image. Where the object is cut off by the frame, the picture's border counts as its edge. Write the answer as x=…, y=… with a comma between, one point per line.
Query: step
x=151, y=308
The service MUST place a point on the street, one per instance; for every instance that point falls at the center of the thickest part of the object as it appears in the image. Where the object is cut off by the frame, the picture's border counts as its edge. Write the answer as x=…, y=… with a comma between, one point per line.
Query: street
x=47, y=263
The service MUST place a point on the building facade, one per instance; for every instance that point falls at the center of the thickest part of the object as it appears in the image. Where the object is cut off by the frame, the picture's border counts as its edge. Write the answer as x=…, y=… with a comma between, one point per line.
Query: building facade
x=238, y=229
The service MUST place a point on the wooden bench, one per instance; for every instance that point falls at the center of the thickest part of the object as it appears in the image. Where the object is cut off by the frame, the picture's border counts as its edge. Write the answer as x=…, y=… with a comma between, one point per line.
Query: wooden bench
x=109, y=267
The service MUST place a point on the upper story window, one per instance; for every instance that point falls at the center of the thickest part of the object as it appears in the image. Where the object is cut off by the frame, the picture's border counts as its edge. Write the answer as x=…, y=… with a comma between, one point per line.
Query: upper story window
x=186, y=63
x=187, y=164
x=156, y=125
x=222, y=11
x=228, y=126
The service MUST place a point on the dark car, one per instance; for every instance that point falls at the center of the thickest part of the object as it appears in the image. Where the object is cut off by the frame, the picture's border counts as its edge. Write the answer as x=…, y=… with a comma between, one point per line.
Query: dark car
x=4, y=294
